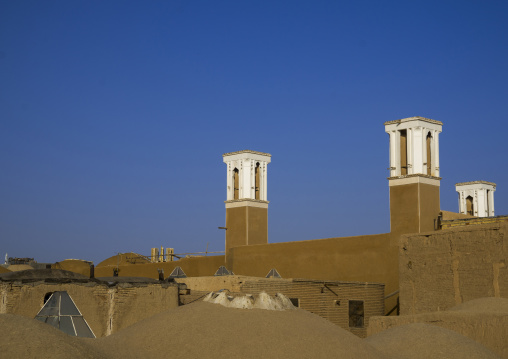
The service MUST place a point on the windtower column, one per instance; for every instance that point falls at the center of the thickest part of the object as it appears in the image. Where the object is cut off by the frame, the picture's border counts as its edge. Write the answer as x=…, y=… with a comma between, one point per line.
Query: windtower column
x=246, y=204
x=414, y=174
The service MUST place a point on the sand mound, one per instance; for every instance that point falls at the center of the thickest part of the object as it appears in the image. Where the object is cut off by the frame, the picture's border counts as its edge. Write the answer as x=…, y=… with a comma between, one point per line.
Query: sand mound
x=205, y=330
x=418, y=340
x=22, y=337
x=19, y=267
x=483, y=305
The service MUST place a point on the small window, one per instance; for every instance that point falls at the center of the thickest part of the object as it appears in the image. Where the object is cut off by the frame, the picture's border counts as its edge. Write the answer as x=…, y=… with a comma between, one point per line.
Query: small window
x=356, y=314
x=295, y=302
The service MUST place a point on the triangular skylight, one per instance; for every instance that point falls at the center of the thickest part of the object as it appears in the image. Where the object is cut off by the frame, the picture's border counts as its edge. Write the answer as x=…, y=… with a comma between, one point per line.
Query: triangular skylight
x=61, y=312
x=222, y=271
x=273, y=274
x=178, y=273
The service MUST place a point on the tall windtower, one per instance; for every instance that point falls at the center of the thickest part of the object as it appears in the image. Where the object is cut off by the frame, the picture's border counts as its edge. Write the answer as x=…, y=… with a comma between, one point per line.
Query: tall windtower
x=476, y=198
x=414, y=174
x=246, y=204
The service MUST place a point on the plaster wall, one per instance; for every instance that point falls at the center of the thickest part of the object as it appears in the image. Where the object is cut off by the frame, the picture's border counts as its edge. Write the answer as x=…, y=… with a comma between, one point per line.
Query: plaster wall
x=246, y=225
x=414, y=207
x=369, y=258
x=439, y=270
x=192, y=266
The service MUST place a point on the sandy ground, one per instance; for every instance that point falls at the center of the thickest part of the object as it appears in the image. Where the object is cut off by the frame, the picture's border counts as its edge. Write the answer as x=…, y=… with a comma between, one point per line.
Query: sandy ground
x=419, y=341
x=206, y=330
x=198, y=330
x=22, y=337
x=483, y=305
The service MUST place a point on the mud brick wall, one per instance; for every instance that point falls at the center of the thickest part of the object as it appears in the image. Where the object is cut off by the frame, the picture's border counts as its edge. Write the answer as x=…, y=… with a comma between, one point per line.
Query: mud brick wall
x=106, y=309
x=441, y=269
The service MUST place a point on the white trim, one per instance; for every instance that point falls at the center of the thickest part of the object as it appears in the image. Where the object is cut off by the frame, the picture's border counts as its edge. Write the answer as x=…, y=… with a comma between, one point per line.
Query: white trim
x=246, y=203
x=413, y=179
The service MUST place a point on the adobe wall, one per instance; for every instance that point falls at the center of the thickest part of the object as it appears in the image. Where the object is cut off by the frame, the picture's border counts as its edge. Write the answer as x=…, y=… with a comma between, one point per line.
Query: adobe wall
x=470, y=220
x=369, y=258
x=439, y=270
x=192, y=266
x=447, y=216
x=328, y=299
x=106, y=309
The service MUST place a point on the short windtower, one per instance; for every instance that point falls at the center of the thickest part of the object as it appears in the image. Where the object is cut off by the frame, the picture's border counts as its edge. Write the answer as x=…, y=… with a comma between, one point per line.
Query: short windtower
x=476, y=198
x=414, y=174
x=246, y=205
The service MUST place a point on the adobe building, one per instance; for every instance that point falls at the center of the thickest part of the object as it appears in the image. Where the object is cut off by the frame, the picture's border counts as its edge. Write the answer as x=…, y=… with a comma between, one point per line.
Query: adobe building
x=414, y=208
x=414, y=187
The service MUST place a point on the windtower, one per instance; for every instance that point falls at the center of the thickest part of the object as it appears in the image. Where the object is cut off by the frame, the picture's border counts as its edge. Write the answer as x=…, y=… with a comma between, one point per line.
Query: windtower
x=246, y=204
x=414, y=174
x=476, y=198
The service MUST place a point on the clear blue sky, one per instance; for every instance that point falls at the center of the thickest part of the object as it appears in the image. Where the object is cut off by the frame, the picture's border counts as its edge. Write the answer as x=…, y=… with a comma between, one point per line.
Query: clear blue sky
x=114, y=115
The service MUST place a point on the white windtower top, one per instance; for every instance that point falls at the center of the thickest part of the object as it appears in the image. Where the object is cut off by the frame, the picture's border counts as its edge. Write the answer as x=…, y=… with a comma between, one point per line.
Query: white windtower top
x=247, y=175
x=414, y=146
x=476, y=198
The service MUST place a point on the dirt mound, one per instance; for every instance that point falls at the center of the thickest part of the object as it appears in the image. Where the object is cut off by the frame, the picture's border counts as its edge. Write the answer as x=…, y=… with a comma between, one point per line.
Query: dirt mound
x=41, y=274
x=418, y=340
x=22, y=337
x=123, y=258
x=205, y=330
x=483, y=305
x=19, y=267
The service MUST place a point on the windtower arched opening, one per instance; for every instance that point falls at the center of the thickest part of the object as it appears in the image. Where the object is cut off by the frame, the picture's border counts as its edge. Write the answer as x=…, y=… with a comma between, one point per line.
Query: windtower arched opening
x=256, y=181
x=429, y=154
x=469, y=205
x=403, y=152
x=236, y=184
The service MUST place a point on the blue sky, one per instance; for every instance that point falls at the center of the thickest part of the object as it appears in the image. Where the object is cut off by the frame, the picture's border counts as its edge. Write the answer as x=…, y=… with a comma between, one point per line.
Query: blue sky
x=114, y=115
